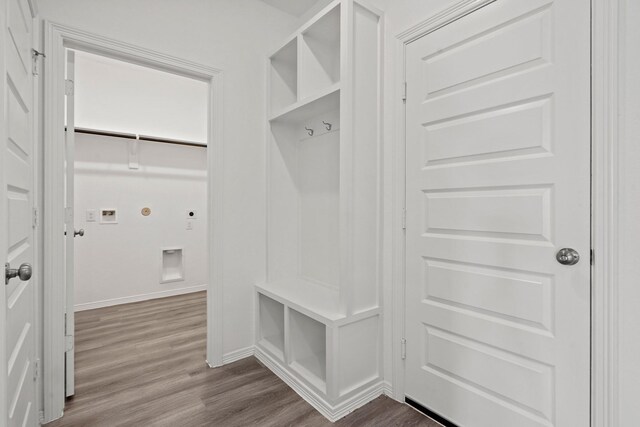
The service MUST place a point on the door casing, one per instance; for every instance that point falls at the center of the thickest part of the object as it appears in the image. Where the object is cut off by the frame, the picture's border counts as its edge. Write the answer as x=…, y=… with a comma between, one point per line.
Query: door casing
x=605, y=163
x=57, y=39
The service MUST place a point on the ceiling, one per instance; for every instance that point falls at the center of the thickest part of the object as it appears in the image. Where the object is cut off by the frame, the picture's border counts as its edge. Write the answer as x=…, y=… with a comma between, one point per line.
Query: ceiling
x=292, y=7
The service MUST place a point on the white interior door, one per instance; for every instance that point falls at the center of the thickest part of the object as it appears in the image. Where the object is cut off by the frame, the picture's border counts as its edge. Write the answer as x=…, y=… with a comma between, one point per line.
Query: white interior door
x=69, y=226
x=19, y=407
x=498, y=181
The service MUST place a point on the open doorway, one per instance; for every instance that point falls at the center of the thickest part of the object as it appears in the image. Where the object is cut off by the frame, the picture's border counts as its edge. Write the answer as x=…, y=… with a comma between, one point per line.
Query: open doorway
x=56, y=297
x=136, y=200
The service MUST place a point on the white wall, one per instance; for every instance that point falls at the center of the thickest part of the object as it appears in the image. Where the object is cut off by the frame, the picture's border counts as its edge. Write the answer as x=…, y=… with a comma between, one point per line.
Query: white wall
x=118, y=263
x=233, y=35
x=119, y=96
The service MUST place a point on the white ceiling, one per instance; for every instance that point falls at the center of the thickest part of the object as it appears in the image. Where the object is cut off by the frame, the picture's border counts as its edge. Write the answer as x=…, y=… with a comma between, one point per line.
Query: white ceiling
x=292, y=7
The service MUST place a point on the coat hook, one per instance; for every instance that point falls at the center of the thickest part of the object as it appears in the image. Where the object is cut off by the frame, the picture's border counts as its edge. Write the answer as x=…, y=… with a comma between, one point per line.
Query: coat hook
x=309, y=131
x=327, y=125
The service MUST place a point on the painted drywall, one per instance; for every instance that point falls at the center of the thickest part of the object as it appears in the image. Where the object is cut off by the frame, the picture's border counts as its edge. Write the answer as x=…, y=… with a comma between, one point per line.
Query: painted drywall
x=118, y=96
x=121, y=262
x=233, y=35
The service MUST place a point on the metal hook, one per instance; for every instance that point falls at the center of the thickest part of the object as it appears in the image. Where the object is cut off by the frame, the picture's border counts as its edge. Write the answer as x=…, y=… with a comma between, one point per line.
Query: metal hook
x=327, y=125
x=309, y=131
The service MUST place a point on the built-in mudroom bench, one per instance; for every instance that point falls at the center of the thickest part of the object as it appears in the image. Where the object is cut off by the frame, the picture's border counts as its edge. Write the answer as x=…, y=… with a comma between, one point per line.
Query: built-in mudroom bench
x=318, y=314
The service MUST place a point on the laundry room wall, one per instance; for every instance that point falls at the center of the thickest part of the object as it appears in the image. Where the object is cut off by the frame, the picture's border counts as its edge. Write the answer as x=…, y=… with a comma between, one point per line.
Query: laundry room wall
x=122, y=261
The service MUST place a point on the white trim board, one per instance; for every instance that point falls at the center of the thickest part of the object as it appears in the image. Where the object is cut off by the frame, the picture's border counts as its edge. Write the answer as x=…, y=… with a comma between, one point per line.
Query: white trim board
x=57, y=38
x=332, y=413
x=607, y=172
x=606, y=166
x=234, y=356
x=137, y=298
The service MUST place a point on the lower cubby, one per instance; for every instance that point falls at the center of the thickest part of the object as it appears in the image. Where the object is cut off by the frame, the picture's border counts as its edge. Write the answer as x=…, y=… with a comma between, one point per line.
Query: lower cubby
x=271, y=327
x=308, y=353
x=334, y=364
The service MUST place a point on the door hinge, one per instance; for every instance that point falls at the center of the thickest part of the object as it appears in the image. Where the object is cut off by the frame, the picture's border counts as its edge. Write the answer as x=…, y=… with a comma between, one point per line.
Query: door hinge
x=35, y=55
x=68, y=87
x=68, y=339
x=36, y=369
x=592, y=256
x=35, y=217
x=404, y=219
x=404, y=91
x=403, y=348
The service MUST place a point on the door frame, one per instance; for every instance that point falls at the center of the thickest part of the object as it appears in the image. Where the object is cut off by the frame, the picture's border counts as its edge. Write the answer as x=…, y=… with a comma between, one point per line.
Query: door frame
x=605, y=172
x=58, y=37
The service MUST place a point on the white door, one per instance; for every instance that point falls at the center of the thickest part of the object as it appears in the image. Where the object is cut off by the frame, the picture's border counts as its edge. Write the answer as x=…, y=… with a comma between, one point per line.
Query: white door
x=498, y=153
x=69, y=228
x=16, y=217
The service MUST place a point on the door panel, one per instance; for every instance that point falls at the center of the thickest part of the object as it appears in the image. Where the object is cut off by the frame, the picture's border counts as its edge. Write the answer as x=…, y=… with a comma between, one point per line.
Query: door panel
x=498, y=180
x=20, y=296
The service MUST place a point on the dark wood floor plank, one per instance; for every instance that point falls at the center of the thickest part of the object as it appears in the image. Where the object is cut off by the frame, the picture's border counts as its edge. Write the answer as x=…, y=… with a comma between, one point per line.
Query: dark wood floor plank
x=143, y=364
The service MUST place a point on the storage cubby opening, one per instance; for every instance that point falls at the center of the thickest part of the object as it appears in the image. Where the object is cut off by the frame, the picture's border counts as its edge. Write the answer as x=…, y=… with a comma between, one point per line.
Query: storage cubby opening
x=271, y=324
x=319, y=61
x=284, y=76
x=308, y=348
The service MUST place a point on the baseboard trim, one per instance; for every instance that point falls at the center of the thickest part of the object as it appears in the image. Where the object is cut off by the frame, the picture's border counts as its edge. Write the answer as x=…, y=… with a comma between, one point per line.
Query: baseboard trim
x=387, y=389
x=138, y=298
x=234, y=356
x=331, y=412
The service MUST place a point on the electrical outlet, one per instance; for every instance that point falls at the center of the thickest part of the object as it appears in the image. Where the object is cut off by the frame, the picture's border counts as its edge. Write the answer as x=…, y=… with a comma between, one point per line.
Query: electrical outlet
x=91, y=215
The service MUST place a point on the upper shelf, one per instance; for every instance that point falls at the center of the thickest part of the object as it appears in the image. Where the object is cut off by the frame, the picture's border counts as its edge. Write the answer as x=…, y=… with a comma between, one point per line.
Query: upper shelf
x=307, y=66
x=325, y=100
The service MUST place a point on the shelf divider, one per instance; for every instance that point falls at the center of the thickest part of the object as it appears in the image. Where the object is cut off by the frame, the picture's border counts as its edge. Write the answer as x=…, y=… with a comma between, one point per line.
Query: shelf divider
x=325, y=100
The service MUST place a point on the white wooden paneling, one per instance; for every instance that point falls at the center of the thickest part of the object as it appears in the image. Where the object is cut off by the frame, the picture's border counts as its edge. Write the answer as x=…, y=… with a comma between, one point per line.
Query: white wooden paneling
x=504, y=132
x=520, y=298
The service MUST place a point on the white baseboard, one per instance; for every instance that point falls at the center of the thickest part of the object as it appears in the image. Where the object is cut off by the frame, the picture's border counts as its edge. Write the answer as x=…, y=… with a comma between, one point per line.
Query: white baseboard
x=331, y=412
x=387, y=389
x=138, y=298
x=236, y=355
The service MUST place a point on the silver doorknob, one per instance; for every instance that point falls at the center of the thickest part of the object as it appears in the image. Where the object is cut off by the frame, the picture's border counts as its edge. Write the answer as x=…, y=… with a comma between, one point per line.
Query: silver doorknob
x=568, y=256
x=78, y=233
x=23, y=273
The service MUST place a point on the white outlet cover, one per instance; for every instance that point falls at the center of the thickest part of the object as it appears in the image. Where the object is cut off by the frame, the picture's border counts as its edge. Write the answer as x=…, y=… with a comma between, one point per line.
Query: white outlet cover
x=92, y=215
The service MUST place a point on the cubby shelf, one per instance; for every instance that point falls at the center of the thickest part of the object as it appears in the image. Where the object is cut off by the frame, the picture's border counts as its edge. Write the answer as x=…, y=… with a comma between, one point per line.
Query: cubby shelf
x=314, y=300
x=324, y=100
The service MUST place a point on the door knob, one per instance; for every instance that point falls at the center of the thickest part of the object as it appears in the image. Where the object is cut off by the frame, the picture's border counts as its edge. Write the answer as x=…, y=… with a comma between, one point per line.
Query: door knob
x=79, y=233
x=568, y=256
x=23, y=273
